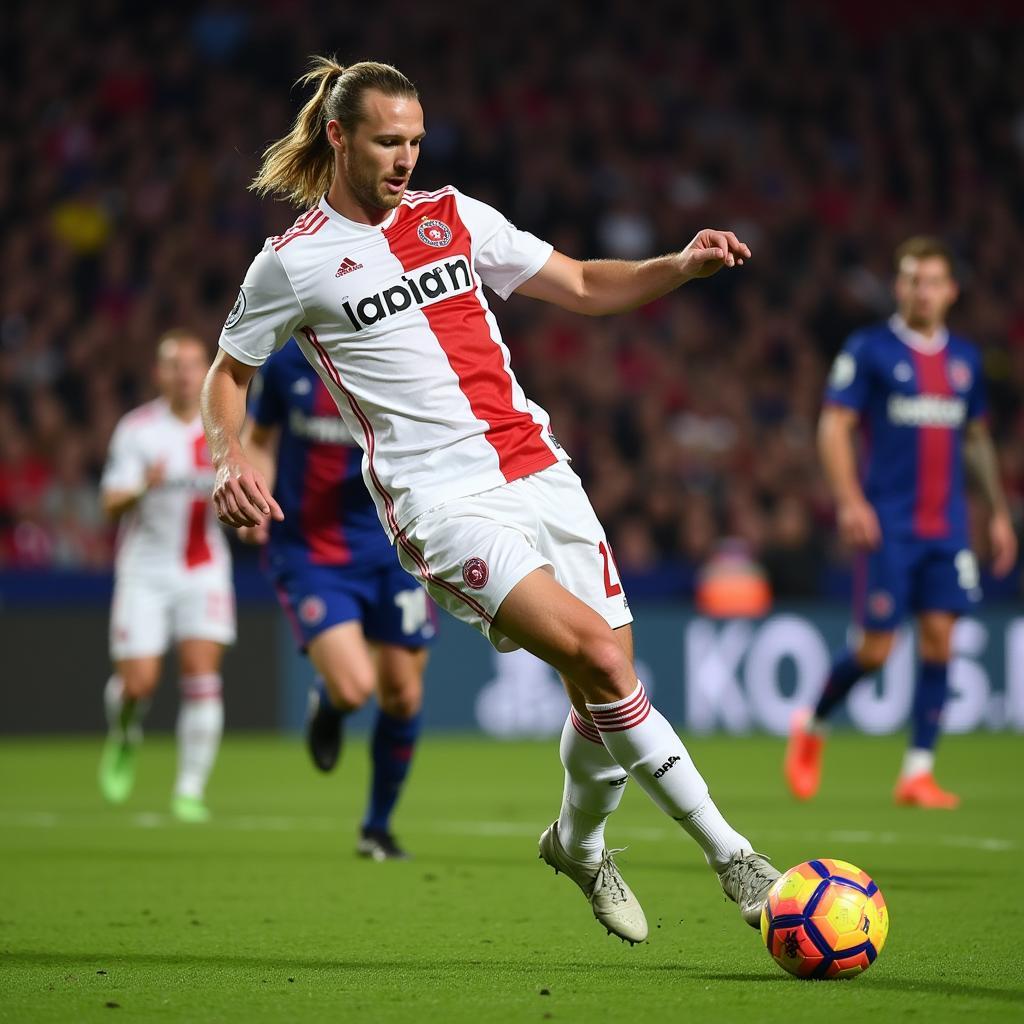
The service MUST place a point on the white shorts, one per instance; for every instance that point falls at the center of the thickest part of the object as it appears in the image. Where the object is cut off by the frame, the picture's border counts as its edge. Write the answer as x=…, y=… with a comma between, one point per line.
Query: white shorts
x=470, y=552
x=149, y=611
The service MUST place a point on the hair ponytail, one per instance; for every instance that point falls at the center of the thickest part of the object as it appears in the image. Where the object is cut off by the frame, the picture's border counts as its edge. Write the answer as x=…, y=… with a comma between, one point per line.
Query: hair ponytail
x=300, y=166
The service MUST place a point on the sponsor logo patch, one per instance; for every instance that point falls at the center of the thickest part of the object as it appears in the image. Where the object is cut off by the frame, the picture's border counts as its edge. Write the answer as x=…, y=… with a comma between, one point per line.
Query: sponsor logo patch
x=475, y=573
x=346, y=266
x=435, y=233
x=903, y=372
x=844, y=369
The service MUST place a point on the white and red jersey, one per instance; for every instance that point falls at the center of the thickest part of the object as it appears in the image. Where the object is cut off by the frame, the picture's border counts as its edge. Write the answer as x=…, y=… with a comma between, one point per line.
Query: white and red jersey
x=394, y=319
x=173, y=526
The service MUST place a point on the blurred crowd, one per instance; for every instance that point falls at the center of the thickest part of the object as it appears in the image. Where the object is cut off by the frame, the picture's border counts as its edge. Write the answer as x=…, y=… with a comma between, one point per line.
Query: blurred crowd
x=823, y=134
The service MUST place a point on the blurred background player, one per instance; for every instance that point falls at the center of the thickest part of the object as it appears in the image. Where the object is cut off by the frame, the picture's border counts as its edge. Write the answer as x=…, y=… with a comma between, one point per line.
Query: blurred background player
x=363, y=622
x=919, y=393
x=172, y=578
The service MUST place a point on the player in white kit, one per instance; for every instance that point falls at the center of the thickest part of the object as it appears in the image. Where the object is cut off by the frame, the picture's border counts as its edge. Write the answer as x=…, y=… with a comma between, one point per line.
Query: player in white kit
x=172, y=578
x=384, y=289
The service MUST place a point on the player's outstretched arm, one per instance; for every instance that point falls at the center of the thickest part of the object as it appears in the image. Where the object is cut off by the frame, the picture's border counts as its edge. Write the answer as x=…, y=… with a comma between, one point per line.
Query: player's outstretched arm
x=241, y=495
x=858, y=523
x=599, y=287
x=982, y=463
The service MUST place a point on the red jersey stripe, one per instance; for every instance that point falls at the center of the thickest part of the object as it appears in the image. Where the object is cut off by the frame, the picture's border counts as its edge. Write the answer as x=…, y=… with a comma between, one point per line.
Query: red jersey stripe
x=321, y=492
x=934, y=452
x=460, y=326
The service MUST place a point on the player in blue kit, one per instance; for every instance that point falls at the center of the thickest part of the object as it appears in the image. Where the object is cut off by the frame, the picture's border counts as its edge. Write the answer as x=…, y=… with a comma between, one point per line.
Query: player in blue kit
x=363, y=622
x=917, y=390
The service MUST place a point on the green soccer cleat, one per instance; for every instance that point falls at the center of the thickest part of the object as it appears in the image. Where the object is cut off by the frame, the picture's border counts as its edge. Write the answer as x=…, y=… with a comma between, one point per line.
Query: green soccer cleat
x=117, y=768
x=746, y=880
x=190, y=809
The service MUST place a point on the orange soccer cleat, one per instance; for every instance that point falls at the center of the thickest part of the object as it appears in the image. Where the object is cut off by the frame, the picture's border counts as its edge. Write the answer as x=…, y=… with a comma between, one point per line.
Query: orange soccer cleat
x=802, y=766
x=923, y=791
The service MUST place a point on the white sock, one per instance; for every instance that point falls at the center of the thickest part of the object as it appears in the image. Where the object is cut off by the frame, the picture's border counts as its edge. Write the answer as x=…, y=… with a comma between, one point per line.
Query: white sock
x=639, y=737
x=594, y=784
x=200, y=724
x=917, y=761
x=124, y=717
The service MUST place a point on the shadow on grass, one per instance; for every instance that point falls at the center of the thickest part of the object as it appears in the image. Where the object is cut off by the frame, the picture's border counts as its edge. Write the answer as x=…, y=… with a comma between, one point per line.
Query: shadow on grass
x=289, y=965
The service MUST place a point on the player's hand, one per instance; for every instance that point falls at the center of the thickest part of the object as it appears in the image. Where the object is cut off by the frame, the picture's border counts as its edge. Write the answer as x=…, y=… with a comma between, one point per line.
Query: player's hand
x=156, y=474
x=255, y=535
x=711, y=250
x=858, y=525
x=1003, y=542
x=241, y=496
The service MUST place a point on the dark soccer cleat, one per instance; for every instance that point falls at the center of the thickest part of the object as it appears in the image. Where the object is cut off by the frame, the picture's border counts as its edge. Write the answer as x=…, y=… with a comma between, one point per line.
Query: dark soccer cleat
x=325, y=726
x=376, y=844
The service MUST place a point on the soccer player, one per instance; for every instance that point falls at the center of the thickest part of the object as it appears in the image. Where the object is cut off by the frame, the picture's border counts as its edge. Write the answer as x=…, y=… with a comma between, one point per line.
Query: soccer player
x=384, y=290
x=917, y=390
x=172, y=578
x=339, y=582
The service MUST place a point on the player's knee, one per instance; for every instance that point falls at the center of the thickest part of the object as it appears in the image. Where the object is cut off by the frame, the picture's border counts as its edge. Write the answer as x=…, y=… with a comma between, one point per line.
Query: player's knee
x=349, y=689
x=601, y=669
x=935, y=645
x=402, y=701
x=874, y=651
x=139, y=685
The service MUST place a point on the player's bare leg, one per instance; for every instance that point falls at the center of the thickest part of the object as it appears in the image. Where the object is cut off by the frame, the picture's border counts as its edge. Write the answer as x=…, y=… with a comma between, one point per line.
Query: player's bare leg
x=200, y=725
x=805, y=749
x=126, y=698
x=396, y=730
x=917, y=786
x=345, y=664
x=544, y=618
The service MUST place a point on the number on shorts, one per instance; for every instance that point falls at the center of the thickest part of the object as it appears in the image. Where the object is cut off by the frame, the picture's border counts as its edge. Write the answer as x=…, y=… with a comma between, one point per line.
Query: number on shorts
x=413, y=604
x=966, y=569
x=610, y=589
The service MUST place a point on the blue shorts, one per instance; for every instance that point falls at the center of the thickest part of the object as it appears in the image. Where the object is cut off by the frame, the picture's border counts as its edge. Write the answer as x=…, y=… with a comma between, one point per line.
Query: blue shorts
x=910, y=576
x=392, y=607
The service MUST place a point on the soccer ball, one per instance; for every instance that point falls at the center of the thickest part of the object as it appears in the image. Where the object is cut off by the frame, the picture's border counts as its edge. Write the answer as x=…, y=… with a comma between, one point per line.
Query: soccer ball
x=824, y=919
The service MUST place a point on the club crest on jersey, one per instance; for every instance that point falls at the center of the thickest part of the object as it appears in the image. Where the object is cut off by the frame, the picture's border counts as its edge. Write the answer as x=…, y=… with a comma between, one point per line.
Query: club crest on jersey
x=960, y=375
x=903, y=372
x=435, y=233
x=475, y=573
x=423, y=286
x=880, y=604
x=312, y=610
x=237, y=312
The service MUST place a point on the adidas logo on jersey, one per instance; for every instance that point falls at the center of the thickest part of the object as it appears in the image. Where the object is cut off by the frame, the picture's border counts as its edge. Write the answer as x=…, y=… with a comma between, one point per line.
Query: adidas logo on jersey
x=346, y=266
x=421, y=287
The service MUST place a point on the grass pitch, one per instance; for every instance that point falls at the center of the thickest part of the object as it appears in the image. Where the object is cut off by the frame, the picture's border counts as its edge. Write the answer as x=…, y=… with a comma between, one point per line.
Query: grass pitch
x=266, y=915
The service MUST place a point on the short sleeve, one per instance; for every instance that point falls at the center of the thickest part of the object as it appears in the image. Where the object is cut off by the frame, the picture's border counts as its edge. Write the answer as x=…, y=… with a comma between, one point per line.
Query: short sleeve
x=266, y=401
x=977, y=397
x=264, y=315
x=849, y=377
x=503, y=256
x=126, y=463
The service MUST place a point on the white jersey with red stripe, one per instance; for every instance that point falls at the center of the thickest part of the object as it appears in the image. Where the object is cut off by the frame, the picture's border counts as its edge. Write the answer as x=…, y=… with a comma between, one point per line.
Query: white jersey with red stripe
x=394, y=319
x=173, y=527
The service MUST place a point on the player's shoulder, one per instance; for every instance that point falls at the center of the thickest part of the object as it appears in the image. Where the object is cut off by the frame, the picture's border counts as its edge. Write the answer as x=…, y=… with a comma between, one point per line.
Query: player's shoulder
x=145, y=415
x=963, y=348
x=306, y=226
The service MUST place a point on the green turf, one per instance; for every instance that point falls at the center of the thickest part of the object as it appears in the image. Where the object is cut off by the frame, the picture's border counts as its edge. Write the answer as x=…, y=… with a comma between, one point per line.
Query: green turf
x=265, y=914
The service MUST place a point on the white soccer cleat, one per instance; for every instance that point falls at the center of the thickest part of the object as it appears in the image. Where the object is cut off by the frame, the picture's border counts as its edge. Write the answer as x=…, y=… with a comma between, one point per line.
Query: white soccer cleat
x=612, y=901
x=746, y=880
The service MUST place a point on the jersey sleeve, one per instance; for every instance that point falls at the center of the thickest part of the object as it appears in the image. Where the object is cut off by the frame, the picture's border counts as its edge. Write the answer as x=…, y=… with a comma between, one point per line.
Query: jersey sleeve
x=266, y=404
x=503, y=256
x=125, y=469
x=264, y=315
x=848, y=380
x=977, y=397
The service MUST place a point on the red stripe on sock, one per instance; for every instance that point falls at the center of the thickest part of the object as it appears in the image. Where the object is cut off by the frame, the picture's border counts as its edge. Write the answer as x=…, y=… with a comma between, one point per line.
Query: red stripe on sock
x=630, y=723
x=584, y=728
x=620, y=710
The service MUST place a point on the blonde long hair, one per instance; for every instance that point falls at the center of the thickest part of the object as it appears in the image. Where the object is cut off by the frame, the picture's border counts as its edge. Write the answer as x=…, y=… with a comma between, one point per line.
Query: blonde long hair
x=300, y=166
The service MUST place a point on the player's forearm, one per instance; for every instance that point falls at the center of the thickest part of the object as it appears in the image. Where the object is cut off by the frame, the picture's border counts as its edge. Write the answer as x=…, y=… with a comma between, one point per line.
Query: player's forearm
x=223, y=411
x=617, y=286
x=982, y=464
x=838, y=457
x=261, y=450
x=116, y=503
